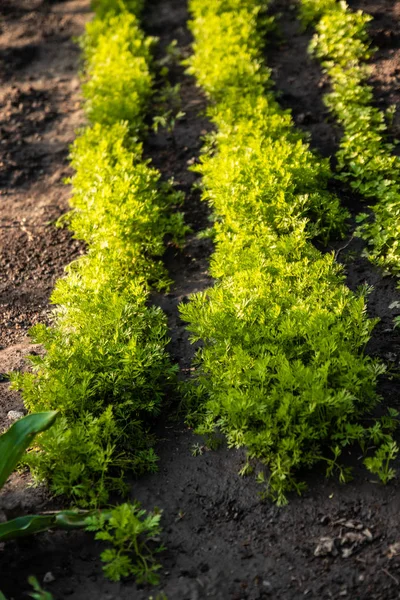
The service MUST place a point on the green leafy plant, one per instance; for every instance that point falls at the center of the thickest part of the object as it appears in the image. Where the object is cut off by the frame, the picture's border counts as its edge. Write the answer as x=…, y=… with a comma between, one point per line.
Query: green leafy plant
x=13, y=444
x=168, y=107
x=167, y=120
x=17, y=438
x=129, y=530
x=117, y=77
x=106, y=368
x=312, y=10
x=365, y=158
x=172, y=56
x=281, y=368
x=198, y=449
x=38, y=592
x=128, y=527
x=380, y=463
x=103, y=8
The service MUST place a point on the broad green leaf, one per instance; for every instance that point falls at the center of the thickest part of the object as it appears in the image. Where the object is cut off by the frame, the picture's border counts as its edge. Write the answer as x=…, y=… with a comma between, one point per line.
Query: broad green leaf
x=38, y=593
x=16, y=440
x=27, y=525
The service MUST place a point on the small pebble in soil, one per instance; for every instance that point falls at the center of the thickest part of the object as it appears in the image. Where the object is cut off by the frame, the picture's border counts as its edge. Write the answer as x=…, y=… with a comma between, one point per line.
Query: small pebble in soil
x=393, y=550
x=267, y=585
x=14, y=415
x=325, y=547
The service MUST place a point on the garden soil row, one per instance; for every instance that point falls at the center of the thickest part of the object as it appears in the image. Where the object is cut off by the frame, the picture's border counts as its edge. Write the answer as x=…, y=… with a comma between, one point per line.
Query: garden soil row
x=40, y=112
x=222, y=541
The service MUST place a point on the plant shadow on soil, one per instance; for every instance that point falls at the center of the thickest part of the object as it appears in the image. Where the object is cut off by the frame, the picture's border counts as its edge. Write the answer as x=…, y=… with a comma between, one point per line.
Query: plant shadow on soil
x=222, y=541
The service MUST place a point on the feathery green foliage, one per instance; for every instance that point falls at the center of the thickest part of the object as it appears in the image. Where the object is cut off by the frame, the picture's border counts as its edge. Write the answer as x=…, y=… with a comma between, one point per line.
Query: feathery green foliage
x=13, y=445
x=104, y=8
x=281, y=369
x=365, y=157
x=117, y=58
x=129, y=529
x=38, y=592
x=105, y=367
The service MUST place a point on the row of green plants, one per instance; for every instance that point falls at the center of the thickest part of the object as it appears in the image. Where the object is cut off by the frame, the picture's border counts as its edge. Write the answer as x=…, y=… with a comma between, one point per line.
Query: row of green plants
x=127, y=529
x=365, y=158
x=281, y=369
x=105, y=367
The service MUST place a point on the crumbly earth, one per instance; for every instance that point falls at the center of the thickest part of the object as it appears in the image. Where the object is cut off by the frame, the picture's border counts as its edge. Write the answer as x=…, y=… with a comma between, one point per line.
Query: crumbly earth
x=384, y=32
x=40, y=112
x=222, y=541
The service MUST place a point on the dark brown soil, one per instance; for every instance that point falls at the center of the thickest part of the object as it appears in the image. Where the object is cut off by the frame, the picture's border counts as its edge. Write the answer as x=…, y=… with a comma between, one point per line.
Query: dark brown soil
x=384, y=31
x=173, y=154
x=40, y=99
x=299, y=81
x=222, y=542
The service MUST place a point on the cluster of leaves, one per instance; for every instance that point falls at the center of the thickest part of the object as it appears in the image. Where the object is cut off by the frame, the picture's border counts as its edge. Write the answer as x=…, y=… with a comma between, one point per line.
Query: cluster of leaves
x=129, y=530
x=117, y=56
x=13, y=444
x=365, y=158
x=261, y=130
x=104, y=8
x=312, y=10
x=38, y=592
x=167, y=106
x=127, y=527
x=281, y=369
x=105, y=366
